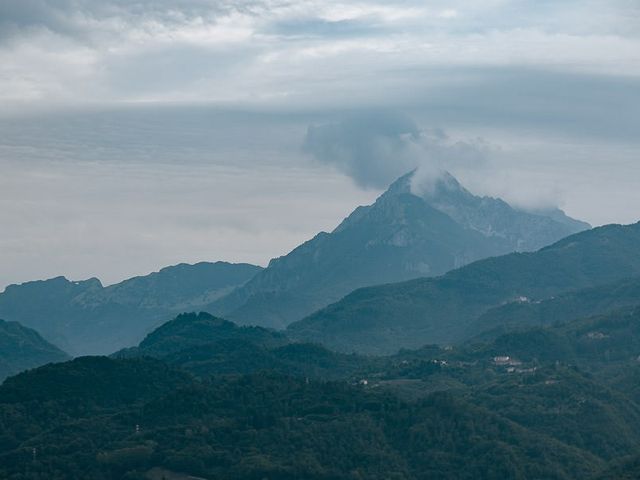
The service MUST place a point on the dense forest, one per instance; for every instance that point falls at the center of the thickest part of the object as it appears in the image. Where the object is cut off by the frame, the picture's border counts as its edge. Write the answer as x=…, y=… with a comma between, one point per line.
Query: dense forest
x=534, y=375
x=204, y=398
x=438, y=201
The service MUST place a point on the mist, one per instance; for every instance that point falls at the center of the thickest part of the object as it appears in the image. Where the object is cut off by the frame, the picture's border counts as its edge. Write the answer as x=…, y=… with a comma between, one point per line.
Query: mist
x=107, y=107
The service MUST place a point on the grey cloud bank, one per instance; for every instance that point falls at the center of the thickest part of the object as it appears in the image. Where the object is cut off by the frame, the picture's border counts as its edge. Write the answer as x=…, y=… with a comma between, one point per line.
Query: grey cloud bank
x=278, y=52
x=377, y=147
x=110, y=106
x=117, y=194
x=372, y=149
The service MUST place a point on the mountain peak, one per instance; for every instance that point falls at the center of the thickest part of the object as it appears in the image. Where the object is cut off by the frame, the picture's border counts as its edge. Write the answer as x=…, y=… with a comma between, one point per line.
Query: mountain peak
x=423, y=225
x=492, y=217
x=442, y=185
x=428, y=186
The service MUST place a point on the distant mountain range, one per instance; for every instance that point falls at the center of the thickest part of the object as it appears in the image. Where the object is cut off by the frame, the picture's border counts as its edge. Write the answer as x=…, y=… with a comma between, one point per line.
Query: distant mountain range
x=402, y=236
x=384, y=318
x=86, y=318
x=22, y=348
x=522, y=365
x=551, y=391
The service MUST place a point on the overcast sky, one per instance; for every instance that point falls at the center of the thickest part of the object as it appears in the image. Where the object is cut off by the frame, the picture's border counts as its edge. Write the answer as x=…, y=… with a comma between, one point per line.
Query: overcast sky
x=137, y=134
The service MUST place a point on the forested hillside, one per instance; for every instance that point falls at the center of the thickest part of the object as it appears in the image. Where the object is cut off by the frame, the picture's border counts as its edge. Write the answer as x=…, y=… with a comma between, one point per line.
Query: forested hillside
x=443, y=310
x=22, y=348
x=223, y=401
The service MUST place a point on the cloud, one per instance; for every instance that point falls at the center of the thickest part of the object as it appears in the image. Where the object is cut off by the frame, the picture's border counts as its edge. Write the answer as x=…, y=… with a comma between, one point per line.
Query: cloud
x=282, y=53
x=212, y=184
x=84, y=18
x=205, y=184
x=555, y=83
x=377, y=147
x=557, y=103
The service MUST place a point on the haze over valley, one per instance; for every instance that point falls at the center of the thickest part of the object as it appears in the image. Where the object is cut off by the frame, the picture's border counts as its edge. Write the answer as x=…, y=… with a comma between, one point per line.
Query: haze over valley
x=319, y=240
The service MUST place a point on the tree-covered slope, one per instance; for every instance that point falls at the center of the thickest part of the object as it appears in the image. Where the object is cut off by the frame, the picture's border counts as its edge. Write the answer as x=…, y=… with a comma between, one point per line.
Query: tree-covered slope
x=206, y=345
x=559, y=309
x=567, y=405
x=625, y=469
x=22, y=348
x=190, y=330
x=441, y=310
x=86, y=318
x=559, y=402
x=595, y=343
x=258, y=426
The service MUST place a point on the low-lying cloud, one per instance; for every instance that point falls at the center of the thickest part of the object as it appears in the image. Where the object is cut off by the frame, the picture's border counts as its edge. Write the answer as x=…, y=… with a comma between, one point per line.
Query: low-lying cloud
x=376, y=148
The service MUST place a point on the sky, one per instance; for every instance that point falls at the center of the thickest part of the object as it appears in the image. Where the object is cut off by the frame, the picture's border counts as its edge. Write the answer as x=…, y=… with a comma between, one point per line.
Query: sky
x=138, y=134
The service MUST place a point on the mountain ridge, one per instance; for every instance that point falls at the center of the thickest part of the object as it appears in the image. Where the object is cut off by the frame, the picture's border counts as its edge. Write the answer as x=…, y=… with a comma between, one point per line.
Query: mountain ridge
x=399, y=237
x=382, y=319
x=84, y=317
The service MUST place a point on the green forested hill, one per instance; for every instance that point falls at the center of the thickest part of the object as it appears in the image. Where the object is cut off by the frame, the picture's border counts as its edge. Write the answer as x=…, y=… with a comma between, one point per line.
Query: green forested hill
x=22, y=348
x=206, y=345
x=385, y=318
x=568, y=405
x=222, y=401
x=260, y=426
x=192, y=330
x=559, y=309
x=626, y=469
x=591, y=343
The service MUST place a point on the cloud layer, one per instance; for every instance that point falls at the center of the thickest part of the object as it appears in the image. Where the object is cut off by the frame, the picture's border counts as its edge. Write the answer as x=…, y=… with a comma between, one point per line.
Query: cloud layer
x=377, y=147
x=313, y=53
